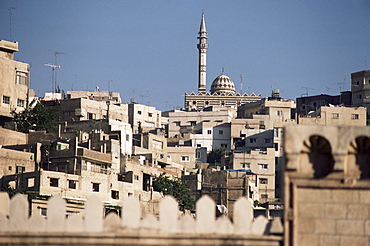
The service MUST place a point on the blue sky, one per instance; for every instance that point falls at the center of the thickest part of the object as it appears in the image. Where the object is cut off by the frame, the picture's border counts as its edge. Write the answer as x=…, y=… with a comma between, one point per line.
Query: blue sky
x=147, y=49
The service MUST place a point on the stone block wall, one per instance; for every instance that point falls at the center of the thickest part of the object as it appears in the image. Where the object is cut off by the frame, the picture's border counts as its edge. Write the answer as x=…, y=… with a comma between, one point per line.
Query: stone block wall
x=327, y=185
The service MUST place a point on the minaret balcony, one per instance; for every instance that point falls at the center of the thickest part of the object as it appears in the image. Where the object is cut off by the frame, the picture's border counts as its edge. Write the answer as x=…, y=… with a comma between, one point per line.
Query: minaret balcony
x=202, y=46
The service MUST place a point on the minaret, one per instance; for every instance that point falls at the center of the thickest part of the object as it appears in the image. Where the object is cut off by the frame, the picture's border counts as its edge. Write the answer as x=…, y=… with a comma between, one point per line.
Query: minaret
x=202, y=47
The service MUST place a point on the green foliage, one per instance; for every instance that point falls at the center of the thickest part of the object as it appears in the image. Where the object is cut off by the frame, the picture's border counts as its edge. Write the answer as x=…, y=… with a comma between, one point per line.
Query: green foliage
x=175, y=188
x=256, y=203
x=215, y=155
x=37, y=118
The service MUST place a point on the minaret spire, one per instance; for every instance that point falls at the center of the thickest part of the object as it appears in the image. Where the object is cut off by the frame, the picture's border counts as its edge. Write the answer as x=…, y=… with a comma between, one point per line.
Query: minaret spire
x=202, y=47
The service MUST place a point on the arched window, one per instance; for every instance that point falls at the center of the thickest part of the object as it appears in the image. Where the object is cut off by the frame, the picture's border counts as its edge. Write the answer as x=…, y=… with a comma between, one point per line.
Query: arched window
x=319, y=155
x=360, y=148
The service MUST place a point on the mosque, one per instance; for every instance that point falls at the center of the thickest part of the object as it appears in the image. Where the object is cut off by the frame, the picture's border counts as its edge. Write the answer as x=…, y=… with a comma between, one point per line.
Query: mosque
x=222, y=92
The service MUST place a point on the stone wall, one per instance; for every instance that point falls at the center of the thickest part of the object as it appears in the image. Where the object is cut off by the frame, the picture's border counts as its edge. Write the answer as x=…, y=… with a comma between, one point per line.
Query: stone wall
x=327, y=185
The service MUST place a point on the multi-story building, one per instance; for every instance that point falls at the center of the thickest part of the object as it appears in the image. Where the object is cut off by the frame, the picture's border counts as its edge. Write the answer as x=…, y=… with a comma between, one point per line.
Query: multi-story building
x=335, y=116
x=145, y=118
x=360, y=87
x=261, y=163
x=307, y=104
x=14, y=90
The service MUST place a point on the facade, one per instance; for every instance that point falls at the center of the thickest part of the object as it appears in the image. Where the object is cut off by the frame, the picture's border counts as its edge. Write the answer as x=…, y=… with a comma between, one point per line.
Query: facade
x=14, y=90
x=113, y=97
x=335, y=116
x=222, y=93
x=262, y=164
x=360, y=87
x=311, y=103
x=82, y=109
x=224, y=187
x=145, y=117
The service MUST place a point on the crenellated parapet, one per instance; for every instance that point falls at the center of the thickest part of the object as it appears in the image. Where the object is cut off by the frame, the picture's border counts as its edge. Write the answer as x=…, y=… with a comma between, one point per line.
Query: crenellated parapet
x=171, y=227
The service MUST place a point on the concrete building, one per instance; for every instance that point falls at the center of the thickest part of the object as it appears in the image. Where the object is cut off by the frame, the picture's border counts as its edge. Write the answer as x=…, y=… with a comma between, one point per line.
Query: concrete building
x=224, y=187
x=311, y=103
x=82, y=109
x=335, y=116
x=14, y=90
x=360, y=87
x=112, y=97
x=262, y=164
x=147, y=117
x=222, y=93
x=208, y=129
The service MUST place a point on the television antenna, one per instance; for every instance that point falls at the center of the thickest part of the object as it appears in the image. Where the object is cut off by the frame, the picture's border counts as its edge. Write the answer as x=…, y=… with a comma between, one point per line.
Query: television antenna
x=56, y=54
x=307, y=88
x=53, y=81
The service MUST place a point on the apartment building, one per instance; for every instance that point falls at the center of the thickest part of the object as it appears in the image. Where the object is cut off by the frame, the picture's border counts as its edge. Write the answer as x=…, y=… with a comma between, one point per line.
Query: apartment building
x=14, y=90
x=335, y=116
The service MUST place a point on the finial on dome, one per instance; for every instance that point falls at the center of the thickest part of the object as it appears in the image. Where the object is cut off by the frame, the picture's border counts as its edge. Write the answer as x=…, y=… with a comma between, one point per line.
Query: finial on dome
x=223, y=71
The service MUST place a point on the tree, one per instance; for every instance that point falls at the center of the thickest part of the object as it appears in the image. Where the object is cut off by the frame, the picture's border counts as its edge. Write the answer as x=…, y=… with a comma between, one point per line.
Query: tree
x=176, y=188
x=215, y=155
x=37, y=118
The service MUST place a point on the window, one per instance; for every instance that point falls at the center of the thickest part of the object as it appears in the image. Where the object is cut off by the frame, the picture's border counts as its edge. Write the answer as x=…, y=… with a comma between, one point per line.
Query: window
x=209, y=131
x=21, y=78
x=253, y=140
x=357, y=83
x=276, y=146
x=263, y=181
x=90, y=116
x=199, y=154
x=20, y=169
x=276, y=132
x=199, y=145
x=72, y=184
x=262, y=125
x=268, y=140
x=221, y=132
x=127, y=137
x=335, y=116
x=115, y=194
x=139, y=112
x=263, y=166
x=279, y=112
x=20, y=103
x=245, y=165
x=264, y=196
x=150, y=114
x=354, y=116
x=30, y=182
x=54, y=182
x=224, y=146
x=193, y=123
x=95, y=187
x=136, y=177
x=10, y=168
x=177, y=123
x=6, y=100
x=358, y=96
x=185, y=158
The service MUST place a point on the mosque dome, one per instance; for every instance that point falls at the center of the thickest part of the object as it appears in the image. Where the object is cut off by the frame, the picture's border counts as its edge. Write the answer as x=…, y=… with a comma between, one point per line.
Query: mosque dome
x=223, y=84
